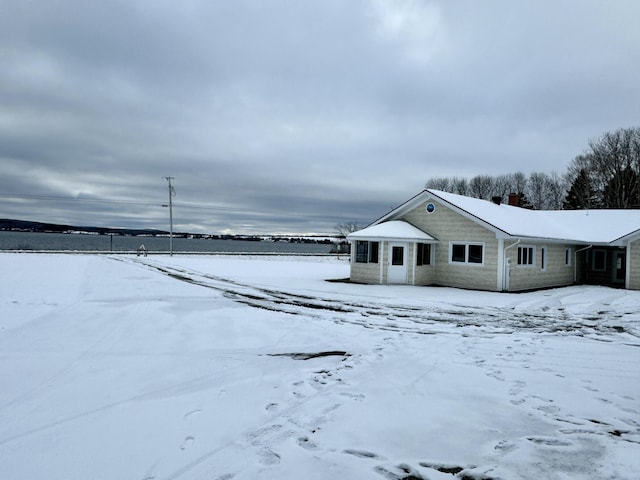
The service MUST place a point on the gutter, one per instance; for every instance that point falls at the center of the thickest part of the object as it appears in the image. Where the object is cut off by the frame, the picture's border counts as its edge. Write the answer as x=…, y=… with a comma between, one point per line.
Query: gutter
x=575, y=261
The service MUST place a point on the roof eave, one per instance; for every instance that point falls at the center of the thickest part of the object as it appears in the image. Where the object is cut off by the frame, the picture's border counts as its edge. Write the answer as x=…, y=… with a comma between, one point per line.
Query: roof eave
x=565, y=241
x=400, y=209
x=372, y=238
x=629, y=237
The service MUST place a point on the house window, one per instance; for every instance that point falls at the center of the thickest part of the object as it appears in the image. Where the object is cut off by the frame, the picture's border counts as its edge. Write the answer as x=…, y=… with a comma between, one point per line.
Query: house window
x=367, y=252
x=543, y=258
x=567, y=257
x=458, y=253
x=475, y=253
x=373, y=252
x=470, y=253
x=526, y=256
x=423, y=254
x=397, y=256
x=599, y=260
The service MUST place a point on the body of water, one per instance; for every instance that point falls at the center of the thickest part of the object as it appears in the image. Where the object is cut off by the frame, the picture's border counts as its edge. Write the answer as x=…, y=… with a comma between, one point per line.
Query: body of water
x=32, y=241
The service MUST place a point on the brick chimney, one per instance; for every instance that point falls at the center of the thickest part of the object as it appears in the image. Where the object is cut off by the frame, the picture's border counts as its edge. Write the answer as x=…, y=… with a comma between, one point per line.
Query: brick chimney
x=514, y=199
x=496, y=199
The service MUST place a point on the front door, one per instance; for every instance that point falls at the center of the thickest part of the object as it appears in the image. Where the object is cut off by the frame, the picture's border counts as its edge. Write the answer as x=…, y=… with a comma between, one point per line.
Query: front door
x=619, y=267
x=397, y=272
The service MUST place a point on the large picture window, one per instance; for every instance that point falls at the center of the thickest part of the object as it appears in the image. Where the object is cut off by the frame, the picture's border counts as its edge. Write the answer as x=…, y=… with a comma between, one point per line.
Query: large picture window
x=367, y=252
x=468, y=253
x=423, y=256
x=526, y=256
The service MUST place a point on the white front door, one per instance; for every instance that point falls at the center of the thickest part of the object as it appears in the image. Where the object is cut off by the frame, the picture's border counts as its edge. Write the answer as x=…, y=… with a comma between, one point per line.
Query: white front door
x=397, y=272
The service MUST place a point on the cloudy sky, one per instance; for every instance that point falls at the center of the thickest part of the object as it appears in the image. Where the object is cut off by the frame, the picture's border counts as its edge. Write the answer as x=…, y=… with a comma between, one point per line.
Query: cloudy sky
x=283, y=116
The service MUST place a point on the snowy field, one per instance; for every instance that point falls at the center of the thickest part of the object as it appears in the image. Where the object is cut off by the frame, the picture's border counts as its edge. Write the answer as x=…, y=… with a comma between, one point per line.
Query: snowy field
x=220, y=367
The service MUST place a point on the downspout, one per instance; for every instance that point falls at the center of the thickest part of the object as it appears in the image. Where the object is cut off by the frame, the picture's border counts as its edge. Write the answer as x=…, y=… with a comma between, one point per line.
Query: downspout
x=627, y=258
x=504, y=264
x=575, y=262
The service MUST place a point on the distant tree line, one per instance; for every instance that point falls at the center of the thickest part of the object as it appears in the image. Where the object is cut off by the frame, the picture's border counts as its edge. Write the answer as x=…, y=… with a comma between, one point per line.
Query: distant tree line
x=606, y=175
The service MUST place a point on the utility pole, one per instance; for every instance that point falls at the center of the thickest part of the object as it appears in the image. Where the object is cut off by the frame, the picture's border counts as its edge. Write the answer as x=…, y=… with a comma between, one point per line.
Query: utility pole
x=172, y=193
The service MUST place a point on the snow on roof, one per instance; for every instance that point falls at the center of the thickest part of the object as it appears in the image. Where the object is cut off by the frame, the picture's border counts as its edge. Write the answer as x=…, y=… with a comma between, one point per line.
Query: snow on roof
x=394, y=229
x=584, y=226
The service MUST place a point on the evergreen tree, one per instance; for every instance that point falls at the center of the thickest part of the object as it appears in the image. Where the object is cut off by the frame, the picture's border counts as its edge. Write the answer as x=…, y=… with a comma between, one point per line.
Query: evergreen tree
x=581, y=194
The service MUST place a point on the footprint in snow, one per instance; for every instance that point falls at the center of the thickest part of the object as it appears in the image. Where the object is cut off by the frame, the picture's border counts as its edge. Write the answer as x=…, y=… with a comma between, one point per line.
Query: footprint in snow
x=307, y=444
x=355, y=396
x=187, y=442
x=549, y=441
x=362, y=454
x=191, y=413
x=268, y=456
x=226, y=476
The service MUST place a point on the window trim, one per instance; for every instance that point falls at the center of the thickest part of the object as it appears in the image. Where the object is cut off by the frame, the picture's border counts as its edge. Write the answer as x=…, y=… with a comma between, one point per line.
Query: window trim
x=531, y=256
x=466, y=253
x=369, y=252
x=568, y=253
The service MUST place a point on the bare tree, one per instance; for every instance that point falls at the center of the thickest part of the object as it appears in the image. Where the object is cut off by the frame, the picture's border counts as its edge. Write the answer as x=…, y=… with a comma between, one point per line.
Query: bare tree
x=439, y=183
x=459, y=185
x=608, y=173
x=536, y=190
x=518, y=182
x=481, y=186
x=557, y=191
x=344, y=229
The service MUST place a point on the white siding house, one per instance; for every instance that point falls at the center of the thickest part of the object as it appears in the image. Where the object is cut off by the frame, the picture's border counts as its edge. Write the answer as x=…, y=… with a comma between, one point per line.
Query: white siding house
x=439, y=238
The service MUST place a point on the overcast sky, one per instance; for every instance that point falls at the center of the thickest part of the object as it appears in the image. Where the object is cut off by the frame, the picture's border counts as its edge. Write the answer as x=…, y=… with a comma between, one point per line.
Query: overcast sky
x=294, y=116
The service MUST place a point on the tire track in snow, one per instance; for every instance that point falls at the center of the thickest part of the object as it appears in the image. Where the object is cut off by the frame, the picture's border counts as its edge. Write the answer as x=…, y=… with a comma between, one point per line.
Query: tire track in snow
x=429, y=319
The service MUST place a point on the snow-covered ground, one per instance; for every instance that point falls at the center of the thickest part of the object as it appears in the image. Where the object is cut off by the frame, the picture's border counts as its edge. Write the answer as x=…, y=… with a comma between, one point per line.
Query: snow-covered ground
x=214, y=367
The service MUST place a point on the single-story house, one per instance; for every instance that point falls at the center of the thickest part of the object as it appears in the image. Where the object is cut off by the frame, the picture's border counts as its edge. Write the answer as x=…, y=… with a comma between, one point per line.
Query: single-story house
x=440, y=238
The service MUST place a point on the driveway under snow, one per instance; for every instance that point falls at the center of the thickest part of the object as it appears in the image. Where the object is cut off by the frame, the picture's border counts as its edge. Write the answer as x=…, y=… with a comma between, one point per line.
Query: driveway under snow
x=220, y=367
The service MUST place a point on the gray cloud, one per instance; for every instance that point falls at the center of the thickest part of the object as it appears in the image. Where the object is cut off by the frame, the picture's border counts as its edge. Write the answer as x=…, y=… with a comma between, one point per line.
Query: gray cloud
x=279, y=116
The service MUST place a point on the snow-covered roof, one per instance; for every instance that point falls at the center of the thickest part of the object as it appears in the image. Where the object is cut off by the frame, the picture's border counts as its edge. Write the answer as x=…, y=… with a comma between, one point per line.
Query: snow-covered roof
x=579, y=226
x=392, y=230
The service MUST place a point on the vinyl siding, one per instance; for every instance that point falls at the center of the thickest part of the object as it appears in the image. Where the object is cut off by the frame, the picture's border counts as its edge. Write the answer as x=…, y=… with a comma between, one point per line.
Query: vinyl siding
x=528, y=277
x=364, y=272
x=425, y=274
x=447, y=225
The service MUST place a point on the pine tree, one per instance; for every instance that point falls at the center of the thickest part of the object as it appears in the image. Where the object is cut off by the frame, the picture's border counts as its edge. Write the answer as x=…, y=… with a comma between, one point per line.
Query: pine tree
x=581, y=194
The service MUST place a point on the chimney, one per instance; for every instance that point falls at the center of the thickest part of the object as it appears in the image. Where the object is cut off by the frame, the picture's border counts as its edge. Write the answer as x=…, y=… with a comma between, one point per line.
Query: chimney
x=514, y=199
x=497, y=199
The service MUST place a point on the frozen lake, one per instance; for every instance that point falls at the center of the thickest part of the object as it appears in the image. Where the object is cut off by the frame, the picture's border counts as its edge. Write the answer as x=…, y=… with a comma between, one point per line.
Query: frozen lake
x=30, y=241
